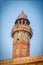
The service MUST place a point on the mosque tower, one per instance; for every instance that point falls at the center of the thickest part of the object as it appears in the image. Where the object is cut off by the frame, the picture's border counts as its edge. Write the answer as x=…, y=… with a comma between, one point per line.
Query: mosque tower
x=21, y=34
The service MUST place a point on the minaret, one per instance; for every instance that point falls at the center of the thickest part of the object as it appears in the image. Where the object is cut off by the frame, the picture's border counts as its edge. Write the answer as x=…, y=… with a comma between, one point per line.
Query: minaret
x=21, y=33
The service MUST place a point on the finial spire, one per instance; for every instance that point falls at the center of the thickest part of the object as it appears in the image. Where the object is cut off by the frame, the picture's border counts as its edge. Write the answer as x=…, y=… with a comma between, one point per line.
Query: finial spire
x=22, y=12
x=22, y=15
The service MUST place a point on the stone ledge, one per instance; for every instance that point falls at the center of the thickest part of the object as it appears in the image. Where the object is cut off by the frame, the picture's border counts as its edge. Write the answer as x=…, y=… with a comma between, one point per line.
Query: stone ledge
x=23, y=60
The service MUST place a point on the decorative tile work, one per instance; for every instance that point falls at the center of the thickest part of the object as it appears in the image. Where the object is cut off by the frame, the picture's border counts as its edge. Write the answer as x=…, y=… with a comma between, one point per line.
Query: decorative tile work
x=32, y=60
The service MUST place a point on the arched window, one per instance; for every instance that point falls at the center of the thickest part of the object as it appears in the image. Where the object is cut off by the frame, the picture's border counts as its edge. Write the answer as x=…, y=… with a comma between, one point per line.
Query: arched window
x=23, y=22
x=20, y=22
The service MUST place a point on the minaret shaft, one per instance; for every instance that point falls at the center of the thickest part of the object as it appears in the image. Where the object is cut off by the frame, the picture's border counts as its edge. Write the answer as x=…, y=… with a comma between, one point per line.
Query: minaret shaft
x=21, y=44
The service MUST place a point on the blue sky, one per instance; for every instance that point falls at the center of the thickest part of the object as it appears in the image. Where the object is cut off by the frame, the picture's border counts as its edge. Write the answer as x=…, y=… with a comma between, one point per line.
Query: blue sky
x=9, y=12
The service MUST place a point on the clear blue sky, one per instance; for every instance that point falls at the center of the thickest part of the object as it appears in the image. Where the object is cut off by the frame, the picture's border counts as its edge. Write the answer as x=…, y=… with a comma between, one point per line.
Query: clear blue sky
x=10, y=9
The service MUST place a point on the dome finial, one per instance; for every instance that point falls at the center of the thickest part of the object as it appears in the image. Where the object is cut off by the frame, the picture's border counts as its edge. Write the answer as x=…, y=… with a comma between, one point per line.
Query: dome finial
x=22, y=12
x=22, y=15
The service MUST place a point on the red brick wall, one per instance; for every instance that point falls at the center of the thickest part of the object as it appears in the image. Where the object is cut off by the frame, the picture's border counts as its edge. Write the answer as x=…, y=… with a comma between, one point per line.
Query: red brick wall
x=20, y=48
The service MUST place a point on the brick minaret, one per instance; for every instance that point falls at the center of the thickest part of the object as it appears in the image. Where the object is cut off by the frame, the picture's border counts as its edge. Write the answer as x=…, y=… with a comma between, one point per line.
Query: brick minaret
x=21, y=33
